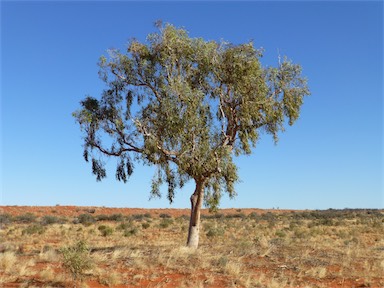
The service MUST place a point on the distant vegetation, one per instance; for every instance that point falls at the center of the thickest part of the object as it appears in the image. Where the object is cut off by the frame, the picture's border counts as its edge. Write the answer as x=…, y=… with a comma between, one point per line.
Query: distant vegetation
x=272, y=249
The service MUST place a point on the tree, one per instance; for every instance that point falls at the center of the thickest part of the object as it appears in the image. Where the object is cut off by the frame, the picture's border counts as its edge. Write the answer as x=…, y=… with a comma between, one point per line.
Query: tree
x=187, y=106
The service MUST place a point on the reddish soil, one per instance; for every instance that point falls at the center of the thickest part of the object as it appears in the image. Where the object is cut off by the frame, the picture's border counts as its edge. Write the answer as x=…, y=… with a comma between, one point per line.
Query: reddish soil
x=170, y=279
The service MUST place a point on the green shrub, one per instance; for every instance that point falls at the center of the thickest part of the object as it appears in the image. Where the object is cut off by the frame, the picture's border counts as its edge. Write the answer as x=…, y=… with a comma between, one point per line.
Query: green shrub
x=145, y=225
x=165, y=216
x=48, y=220
x=76, y=259
x=214, y=232
x=33, y=229
x=116, y=217
x=102, y=217
x=124, y=226
x=85, y=219
x=26, y=218
x=105, y=230
x=5, y=219
x=280, y=233
x=130, y=232
x=165, y=222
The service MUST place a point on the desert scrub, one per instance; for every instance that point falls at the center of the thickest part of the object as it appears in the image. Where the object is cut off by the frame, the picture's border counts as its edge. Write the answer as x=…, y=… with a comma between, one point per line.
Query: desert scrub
x=5, y=219
x=76, y=259
x=48, y=220
x=105, y=230
x=26, y=218
x=213, y=230
x=145, y=225
x=165, y=222
x=7, y=260
x=85, y=219
x=33, y=229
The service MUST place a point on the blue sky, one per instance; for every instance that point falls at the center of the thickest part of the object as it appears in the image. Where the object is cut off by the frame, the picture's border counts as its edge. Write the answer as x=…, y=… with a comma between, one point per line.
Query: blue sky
x=331, y=158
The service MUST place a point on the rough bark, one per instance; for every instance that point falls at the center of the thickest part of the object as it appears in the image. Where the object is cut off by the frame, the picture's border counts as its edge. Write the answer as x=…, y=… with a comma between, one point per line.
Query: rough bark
x=194, y=222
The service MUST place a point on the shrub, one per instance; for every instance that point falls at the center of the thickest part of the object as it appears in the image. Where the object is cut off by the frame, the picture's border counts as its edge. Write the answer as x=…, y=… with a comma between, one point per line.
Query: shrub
x=236, y=215
x=26, y=218
x=130, y=232
x=33, y=229
x=116, y=217
x=5, y=219
x=102, y=217
x=280, y=233
x=165, y=222
x=124, y=226
x=215, y=232
x=105, y=230
x=86, y=219
x=145, y=225
x=76, y=259
x=48, y=220
x=165, y=216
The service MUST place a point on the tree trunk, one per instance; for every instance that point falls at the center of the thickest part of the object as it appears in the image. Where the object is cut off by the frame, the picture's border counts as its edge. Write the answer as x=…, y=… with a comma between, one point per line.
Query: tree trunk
x=194, y=222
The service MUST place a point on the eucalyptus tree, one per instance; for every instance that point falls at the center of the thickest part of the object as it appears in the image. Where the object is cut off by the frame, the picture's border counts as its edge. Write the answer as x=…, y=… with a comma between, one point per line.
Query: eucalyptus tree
x=187, y=106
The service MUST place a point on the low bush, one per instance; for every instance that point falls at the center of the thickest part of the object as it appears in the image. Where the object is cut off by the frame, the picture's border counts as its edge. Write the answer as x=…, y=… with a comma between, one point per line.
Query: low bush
x=5, y=219
x=105, y=230
x=165, y=222
x=26, y=218
x=165, y=216
x=76, y=259
x=130, y=232
x=145, y=225
x=48, y=220
x=33, y=229
x=85, y=219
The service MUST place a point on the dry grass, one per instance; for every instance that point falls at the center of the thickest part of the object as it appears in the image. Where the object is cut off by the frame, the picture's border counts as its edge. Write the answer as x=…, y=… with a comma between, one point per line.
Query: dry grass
x=321, y=249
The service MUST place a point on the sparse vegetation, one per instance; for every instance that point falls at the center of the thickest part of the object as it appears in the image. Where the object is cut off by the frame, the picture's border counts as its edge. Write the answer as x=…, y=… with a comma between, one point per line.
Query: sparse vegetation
x=238, y=249
x=76, y=259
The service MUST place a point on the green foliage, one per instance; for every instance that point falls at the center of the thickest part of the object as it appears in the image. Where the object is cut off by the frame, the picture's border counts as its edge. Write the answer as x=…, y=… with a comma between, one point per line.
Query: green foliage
x=166, y=222
x=165, y=215
x=105, y=230
x=76, y=259
x=130, y=232
x=26, y=218
x=86, y=219
x=187, y=105
x=48, y=220
x=33, y=229
x=5, y=219
x=145, y=225
x=214, y=231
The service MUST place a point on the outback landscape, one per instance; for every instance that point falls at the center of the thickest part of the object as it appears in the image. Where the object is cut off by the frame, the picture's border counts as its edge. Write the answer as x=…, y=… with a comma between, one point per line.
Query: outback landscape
x=69, y=246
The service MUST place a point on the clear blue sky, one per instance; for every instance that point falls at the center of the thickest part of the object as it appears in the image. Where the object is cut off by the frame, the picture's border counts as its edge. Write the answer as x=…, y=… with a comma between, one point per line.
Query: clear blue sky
x=331, y=158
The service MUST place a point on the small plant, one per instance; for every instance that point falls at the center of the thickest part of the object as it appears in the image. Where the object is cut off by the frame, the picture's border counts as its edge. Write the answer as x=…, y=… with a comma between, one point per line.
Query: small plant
x=105, y=230
x=48, y=220
x=280, y=234
x=165, y=222
x=130, y=232
x=85, y=219
x=33, y=229
x=5, y=219
x=116, y=217
x=145, y=225
x=214, y=232
x=26, y=218
x=76, y=259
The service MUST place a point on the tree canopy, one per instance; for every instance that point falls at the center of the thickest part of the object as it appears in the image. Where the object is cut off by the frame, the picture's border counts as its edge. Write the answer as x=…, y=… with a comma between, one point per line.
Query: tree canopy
x=187, y=106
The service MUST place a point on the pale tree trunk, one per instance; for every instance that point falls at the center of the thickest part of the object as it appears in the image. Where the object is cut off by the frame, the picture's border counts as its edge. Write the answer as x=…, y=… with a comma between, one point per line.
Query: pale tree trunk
x=194, y=222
